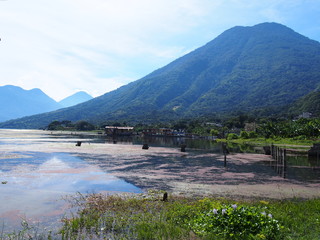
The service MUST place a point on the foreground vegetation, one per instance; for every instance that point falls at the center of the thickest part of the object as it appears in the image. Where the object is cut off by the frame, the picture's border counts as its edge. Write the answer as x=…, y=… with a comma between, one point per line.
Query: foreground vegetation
x=149, y=217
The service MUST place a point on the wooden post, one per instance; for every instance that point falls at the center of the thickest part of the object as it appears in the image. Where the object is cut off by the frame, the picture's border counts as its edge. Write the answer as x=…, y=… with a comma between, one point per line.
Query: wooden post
x=165, y=197
x=284, y=173
x=145, y=146
x=225, y=151
x=277, y=159
x=183, y=147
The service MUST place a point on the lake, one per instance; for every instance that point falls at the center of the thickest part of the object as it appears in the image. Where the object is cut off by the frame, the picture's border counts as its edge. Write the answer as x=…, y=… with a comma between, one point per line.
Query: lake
x=40, y=168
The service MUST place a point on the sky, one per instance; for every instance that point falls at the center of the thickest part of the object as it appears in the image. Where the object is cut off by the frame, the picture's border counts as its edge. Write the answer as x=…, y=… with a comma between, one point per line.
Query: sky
x=65, y=46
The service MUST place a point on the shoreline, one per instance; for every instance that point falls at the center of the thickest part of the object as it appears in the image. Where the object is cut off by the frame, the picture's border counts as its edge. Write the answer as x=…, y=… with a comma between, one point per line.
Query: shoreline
x=168, y=168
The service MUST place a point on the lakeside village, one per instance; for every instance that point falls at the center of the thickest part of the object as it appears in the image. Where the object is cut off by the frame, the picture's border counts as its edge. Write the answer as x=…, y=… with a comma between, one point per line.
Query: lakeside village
x=303, y=127
x=206, y=130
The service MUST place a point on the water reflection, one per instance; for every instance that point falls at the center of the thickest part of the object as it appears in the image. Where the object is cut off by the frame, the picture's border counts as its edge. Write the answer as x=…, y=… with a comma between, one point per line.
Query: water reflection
x=36, y=181
x=298, y=167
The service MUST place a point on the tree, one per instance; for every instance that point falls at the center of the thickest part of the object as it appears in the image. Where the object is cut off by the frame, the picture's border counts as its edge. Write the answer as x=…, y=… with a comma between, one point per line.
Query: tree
x=84, y=126
x=244, y=135
x=214, y=132
x=232, y=136
x=55, y=125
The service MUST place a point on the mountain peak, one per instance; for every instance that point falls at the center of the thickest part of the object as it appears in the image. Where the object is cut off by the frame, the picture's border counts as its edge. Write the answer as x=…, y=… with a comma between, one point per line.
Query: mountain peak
x=244, y=69
x=74, y=99
x=16, y=102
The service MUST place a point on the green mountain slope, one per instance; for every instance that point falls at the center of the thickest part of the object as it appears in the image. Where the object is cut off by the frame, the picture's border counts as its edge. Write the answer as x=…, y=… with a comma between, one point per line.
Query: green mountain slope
x=245, y=68
x=308, y=103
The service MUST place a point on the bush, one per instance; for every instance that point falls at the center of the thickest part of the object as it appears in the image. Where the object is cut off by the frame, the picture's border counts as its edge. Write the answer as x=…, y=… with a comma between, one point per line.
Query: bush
x=84, y=126
x=214, y=132
x=233, y=222
x=232, y=136
x=244, y=135
x=252, y=134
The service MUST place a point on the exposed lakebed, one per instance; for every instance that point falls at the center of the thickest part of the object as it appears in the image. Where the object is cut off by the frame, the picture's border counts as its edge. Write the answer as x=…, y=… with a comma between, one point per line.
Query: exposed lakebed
x=39, y=168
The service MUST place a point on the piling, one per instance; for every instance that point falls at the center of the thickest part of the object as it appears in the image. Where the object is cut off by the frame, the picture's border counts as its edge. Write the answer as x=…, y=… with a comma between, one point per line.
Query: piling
x=225, y=152
x=145, y=146
x=280, y=160
x=183, y=147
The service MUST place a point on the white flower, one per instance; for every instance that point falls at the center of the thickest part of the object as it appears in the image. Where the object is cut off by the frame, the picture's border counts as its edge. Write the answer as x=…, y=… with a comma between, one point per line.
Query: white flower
x=264, y=213
x=215, y=211
x=270, y=215
x=223, y=211
x=234, y=206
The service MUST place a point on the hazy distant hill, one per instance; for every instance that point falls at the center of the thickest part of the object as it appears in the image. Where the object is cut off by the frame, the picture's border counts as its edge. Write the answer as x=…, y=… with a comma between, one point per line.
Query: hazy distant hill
x=75, y=99
x=245, y=68
x=16, y=102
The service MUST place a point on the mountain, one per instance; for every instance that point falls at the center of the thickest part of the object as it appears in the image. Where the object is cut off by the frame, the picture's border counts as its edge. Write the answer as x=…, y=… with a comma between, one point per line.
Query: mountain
x=75, y=99
x=16, y=102
x=308, y=103
x=266, y=66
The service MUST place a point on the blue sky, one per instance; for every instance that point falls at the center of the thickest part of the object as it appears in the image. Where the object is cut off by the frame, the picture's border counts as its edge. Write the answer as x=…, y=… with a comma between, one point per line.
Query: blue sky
x=64, y=46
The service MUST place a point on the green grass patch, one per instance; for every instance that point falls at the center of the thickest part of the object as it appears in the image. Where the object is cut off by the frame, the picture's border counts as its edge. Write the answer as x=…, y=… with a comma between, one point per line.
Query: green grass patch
x=118, y=217
x=147, y=217
x=285, y=142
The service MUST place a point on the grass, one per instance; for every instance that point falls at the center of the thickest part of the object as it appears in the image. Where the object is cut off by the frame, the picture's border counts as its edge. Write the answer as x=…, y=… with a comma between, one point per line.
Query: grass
x=283, y=142
x=146, y=216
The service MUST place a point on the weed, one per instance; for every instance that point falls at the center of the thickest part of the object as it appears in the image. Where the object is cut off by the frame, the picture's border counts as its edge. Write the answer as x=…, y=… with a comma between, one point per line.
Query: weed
x=145, y=216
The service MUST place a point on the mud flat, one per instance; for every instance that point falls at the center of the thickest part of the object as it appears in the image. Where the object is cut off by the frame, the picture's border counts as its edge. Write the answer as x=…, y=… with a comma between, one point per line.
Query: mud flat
x=192, y=172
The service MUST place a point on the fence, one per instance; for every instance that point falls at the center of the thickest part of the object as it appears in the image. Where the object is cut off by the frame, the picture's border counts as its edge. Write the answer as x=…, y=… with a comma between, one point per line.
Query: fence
x=280, y=160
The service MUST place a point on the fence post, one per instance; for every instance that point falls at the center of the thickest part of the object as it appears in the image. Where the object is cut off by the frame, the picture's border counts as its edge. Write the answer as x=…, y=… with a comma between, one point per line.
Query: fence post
x=225, y=151
x=284, y=164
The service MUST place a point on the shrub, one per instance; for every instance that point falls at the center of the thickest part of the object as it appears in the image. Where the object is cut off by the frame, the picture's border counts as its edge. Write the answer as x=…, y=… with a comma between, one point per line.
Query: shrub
x=244, y=135
x=252, y=134
x=233, y=222
x=232, y=136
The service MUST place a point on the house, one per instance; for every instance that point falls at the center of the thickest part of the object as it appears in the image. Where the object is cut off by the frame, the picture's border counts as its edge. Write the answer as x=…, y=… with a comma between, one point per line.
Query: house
x=305, y=115
x=118, y=131
x=251, y=127
x=163, y=132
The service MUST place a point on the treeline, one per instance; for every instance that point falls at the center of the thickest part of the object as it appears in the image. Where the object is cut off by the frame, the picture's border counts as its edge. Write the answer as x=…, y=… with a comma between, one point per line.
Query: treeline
x=231, y=128
x=68, y=125
x=302, y=128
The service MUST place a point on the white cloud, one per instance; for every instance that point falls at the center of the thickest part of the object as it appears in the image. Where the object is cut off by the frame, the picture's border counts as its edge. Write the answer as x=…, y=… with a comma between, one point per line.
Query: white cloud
x=98, y=45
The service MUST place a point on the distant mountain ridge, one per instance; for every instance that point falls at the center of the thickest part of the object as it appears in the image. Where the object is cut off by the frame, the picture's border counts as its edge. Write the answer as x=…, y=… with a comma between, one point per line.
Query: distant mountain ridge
x=244, y=69
x=16, y=102
x=78, y=97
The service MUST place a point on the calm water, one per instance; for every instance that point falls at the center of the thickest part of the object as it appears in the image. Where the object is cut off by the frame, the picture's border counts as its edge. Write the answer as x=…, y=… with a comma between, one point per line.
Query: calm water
x=36, y=181
x=33, y=185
